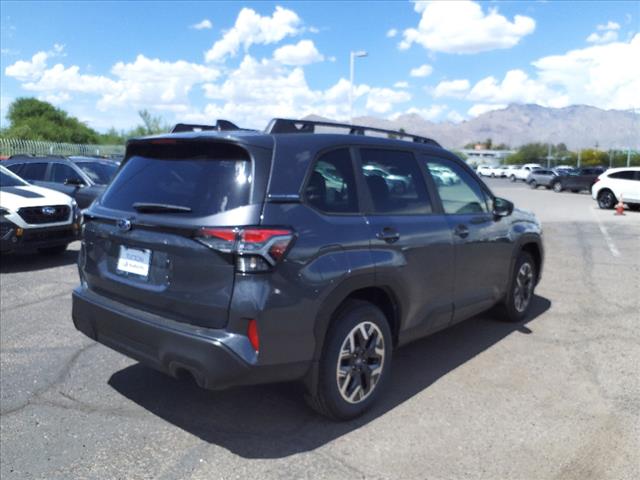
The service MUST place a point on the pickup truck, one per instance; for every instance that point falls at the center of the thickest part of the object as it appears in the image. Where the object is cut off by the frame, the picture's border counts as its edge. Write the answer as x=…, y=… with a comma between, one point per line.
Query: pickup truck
x=523, y=172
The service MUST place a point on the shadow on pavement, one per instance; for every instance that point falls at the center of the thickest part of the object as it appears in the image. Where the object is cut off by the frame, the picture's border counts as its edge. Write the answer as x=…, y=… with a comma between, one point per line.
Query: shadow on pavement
x=32, y=261
x=273, y=421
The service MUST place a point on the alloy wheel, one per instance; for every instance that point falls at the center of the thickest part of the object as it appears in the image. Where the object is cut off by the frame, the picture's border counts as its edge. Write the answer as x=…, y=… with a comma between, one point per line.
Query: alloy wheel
x=606, y=200
x=523, y=290
x=360, y=362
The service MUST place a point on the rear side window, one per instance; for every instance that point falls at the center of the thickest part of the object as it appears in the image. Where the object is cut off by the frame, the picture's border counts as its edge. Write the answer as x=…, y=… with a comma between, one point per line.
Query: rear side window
x=99, y=172
x=32, y=171
x=624, y=175
x=202, y=179
x=61, y=172
x=332, y=187
x=395, y=182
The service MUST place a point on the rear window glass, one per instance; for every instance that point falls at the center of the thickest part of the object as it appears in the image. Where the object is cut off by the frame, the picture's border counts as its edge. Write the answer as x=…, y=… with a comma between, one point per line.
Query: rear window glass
x=205, y=180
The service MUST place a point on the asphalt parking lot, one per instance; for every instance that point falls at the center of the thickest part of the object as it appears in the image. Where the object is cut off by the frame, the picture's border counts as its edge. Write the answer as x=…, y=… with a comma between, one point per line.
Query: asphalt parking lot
x=557, y=396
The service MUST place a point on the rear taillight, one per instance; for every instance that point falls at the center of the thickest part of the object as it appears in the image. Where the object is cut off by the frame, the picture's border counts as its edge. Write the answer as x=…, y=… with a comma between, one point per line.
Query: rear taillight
x=256, y=249
x=252, y=334
x=596, y=180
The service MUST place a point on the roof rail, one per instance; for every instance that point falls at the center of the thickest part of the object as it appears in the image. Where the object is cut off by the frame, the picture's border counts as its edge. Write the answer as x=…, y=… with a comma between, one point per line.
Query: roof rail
x=221, y=125
x=284, y=125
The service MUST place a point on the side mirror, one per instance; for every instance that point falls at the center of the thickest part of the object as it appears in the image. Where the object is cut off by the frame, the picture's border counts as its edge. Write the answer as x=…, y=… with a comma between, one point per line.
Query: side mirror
x=502, y=207
x=76, y=182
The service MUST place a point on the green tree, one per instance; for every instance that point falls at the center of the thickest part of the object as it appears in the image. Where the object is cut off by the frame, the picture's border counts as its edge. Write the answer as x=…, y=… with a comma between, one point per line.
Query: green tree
x=33, y=119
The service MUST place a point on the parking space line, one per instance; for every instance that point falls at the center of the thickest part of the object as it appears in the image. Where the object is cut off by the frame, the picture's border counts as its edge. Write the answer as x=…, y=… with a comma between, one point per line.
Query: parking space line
x=612, y=246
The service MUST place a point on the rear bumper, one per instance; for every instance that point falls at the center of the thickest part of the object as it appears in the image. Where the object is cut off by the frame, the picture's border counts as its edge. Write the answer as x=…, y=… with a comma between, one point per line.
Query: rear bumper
x=216, y=358
x=31, y=238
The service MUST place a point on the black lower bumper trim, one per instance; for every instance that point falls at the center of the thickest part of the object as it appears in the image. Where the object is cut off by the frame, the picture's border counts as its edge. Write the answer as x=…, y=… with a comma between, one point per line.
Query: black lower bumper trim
x=172, y=347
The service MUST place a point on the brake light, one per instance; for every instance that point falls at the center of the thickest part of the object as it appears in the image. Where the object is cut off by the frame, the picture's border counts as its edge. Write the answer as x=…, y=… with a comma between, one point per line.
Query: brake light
x=257, y=249
x=252, y=334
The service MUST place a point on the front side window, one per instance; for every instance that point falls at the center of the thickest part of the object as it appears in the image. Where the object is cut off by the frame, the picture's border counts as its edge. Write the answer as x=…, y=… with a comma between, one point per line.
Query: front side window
x=331, y=187
x=9, y=179
x=61, y=173
x=395, y=182
x=459, y=192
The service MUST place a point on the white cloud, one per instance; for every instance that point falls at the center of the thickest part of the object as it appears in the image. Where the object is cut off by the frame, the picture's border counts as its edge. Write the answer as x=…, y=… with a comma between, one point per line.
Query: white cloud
x=252, y=28
x=480, y=108
x=606, y=37
x=392, y=32
x=599, y=75
x=24, y=70
x=462, y=27
x=454, y=117
x=430, y=113
x=302, y=53
x=421, y=71
x=401, y=85
x=144, y=83
x=205, y=24
x=609, y=33
x=610, y=25
x=382, y=100
x=259, y=90
x=452, y=88
x=516, y=87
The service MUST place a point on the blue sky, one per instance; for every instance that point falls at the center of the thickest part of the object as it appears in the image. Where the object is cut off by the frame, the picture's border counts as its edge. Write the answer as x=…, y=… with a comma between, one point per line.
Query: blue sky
x=447, y=61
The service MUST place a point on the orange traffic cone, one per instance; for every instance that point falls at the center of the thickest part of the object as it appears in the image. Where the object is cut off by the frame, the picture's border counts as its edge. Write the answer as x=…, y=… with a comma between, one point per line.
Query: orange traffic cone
x=619, y=207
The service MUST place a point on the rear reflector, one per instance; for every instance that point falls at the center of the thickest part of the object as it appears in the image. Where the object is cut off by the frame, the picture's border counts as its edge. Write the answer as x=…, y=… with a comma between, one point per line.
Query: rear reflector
x=252, y=333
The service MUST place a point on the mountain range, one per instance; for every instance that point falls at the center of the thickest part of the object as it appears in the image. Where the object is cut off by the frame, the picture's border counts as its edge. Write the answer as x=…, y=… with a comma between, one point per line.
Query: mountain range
x=577, y=126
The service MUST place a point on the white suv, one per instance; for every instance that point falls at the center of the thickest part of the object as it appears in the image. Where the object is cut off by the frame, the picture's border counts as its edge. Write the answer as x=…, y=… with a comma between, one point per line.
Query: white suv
x=35, y=217
x=523, y=172
x=618, y=184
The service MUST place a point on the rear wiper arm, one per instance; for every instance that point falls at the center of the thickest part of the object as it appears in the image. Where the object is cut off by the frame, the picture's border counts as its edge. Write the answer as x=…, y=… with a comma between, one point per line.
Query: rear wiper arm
x=145, y=207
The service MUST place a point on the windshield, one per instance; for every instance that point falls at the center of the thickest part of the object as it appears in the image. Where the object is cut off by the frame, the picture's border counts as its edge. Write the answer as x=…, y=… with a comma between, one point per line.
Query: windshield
x=196, y=185
x=99, y=172
x=8, y=179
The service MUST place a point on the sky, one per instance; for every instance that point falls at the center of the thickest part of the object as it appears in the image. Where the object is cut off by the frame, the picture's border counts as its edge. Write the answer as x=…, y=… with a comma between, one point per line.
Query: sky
x=249, y=62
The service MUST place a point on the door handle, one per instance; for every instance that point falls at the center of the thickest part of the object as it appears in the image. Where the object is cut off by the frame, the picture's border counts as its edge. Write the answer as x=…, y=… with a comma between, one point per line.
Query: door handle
x=462, y=231
x=389, y=235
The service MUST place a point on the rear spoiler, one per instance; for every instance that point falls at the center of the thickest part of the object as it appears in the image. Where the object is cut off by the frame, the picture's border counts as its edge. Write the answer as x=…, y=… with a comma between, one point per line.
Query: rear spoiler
x=220, y=125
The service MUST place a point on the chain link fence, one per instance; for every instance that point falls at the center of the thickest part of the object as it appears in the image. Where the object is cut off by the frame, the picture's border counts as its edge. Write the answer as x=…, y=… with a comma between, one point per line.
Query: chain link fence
x=14, y=146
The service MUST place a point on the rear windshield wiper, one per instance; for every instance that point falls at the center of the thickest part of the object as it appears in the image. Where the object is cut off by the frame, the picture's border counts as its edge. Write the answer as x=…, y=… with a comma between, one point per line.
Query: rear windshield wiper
x=145, y=207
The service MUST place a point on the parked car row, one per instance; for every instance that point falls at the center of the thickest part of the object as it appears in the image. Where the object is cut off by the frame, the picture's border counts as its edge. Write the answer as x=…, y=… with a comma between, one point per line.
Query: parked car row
x=607, y=187
x=82, y=178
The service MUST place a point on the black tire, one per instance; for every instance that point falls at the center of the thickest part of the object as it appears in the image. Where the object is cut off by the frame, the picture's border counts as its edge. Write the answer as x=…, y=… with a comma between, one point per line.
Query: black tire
x=634, y=206
x=512, y=178
x=57, y=250
x=557, y=187
x=510, y=309
x=575, y=191
x=533, y=184
x=328, y=399
x=606, y=199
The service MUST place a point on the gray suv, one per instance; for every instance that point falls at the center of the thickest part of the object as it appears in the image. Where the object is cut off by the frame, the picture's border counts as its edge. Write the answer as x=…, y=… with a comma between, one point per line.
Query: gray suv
x=240, y=257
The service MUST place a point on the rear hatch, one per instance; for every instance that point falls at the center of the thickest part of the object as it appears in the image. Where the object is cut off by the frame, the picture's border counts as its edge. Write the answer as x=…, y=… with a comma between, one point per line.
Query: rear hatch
x=141, y=244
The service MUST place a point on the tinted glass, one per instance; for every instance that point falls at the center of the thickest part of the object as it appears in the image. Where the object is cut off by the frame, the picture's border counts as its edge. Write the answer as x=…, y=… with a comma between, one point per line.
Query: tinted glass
x=99, y=172
x=61, y=172
x=395, y=182
x=625, y=175
x=460, y=192
x=8, y=180
x=207, y=180
x=33, y=171
x=332, y=187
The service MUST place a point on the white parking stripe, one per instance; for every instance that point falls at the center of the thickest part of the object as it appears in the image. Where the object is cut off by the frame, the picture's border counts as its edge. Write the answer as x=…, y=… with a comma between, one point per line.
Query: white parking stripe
x=612, y=246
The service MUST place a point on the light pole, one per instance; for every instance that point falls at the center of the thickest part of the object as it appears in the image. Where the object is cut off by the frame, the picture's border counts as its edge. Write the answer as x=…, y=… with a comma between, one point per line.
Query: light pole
x=352, y=57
